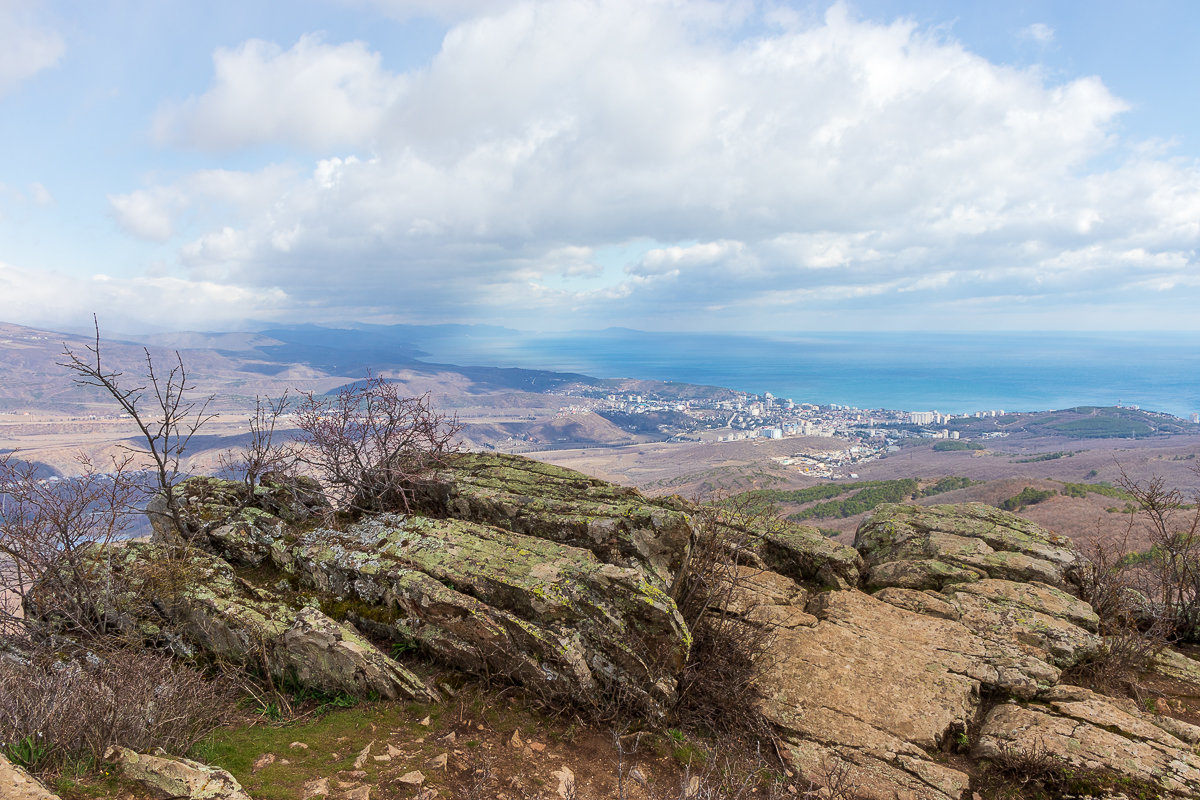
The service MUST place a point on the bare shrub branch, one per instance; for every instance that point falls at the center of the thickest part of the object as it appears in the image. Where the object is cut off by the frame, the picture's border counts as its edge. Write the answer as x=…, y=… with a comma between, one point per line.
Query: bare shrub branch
x=56, y=710
x=1168, y=573
x=49, y=529
x=369, y=445
x=160, y=408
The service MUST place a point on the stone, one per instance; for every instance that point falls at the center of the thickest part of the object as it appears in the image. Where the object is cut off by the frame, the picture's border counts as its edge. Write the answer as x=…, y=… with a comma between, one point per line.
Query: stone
x=930, y=547
x=414, y=778
x=485, y=600
x=516, y=741
x=804, y=554
x=298, y=746
x=566, y=782
x=439, y=761
x=529, y=497
x=318, y=787
x=1090, y=731
x=227, y=618
x=176, y=777
x=264, y=760
x=357, y=793
x=361, y=760
x=17, y=784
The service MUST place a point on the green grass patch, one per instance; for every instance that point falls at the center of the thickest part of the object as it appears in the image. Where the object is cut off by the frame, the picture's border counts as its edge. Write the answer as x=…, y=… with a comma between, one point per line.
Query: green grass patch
x=950, y=445
x=1026, y=497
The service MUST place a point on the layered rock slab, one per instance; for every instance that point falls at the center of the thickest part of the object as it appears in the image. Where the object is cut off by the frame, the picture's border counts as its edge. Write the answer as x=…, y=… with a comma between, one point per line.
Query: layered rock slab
x=874, y=686
x=1093, y=732
x=930, y=547
x=227, y=618
x=547, y=615
x=544, y=501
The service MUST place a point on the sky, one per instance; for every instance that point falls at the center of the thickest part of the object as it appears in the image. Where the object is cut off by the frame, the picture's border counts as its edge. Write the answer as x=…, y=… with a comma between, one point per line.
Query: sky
x=724, y=165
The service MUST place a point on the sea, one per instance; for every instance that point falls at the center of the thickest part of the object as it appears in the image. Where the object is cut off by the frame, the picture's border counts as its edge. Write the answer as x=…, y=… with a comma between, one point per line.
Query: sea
x=953, y=373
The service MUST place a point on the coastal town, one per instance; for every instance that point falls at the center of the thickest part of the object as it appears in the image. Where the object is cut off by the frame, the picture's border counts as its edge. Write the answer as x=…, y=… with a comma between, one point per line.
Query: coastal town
x=734, y=416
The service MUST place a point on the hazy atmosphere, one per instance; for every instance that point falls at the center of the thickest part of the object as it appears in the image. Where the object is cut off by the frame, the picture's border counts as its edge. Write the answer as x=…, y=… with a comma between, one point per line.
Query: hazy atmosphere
x=556, y=165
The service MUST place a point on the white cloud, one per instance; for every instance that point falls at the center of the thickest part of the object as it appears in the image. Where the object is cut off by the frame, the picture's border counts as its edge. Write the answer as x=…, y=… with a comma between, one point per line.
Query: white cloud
x=841, y=162
x=1039, y=32
x=40, y=297
x=26, y=47
x=40, y=195
x=452, y=10
x=146, y=214
x=314, y=95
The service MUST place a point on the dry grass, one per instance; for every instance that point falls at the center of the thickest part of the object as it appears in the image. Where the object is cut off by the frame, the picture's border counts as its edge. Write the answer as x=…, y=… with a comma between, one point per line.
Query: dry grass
x=57, y=712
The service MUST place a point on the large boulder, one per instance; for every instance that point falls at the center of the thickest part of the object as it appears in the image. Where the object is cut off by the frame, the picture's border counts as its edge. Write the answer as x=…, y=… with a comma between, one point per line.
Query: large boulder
x=193, y=603
x=550, y=616
x=517, y=494
x=1088, y=732
x=930, y=547
x=803, y=553
x=968, y=602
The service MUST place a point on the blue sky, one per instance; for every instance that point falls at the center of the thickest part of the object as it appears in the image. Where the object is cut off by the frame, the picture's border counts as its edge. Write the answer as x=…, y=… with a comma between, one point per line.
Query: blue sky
x=736, y=165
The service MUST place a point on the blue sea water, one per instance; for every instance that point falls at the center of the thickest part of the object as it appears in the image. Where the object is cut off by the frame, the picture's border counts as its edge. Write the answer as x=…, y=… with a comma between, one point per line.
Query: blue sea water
x=949, y=372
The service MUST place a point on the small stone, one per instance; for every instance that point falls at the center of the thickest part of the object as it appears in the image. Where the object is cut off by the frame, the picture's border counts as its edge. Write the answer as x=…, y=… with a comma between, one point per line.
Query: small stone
x=516, y=741
x=362, y=757
x=428, y=793
x=357, y=774
x=792, y=789
x=479, y=727
x=262, y=761
x=358, y=793
x=566, y=782
x=438, y=761
x=537, y=747
x=426, y=722
x=298, y=746
x=414, y=778
x=284, y=762
x=693, y=787
x=450, y=738
x=382, y=758
x=394, y=752
x=314, y=788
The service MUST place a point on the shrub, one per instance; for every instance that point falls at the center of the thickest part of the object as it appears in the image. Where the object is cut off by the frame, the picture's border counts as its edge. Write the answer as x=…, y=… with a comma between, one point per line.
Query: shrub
x=720, y=688
x=370, y=445
x=57, y=711
x=1026, y=497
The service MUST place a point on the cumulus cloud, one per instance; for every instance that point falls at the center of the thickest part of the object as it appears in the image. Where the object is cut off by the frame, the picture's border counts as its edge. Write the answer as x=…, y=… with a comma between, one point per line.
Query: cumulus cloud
x=314, y=95
x=821, y=163
x=26, y=47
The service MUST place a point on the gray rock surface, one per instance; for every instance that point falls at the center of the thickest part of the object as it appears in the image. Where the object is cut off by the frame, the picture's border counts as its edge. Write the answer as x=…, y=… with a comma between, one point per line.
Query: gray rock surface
x=176, y=778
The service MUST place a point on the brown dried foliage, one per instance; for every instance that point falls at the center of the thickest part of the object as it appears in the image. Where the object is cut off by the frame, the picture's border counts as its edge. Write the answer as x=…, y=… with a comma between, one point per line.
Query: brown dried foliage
x=369, y=445
x=57, y=711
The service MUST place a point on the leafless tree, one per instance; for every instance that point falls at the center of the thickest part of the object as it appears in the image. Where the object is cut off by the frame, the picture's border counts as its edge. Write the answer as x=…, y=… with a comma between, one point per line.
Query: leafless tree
x=49, y=531
x=159, y=405
x=268, y=451
x=1168, y=574
x=370, y=445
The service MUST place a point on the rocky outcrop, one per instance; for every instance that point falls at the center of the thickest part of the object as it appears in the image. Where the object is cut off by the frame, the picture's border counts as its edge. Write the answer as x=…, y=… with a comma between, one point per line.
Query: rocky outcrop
x=175, y=778
x=930, y=547
x=530, y=596
x=803, y=553
x=882, y=682
x=226, y=618
x=541, y=500
x=1087, y=731
x=550, y=616
x=17, y=784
